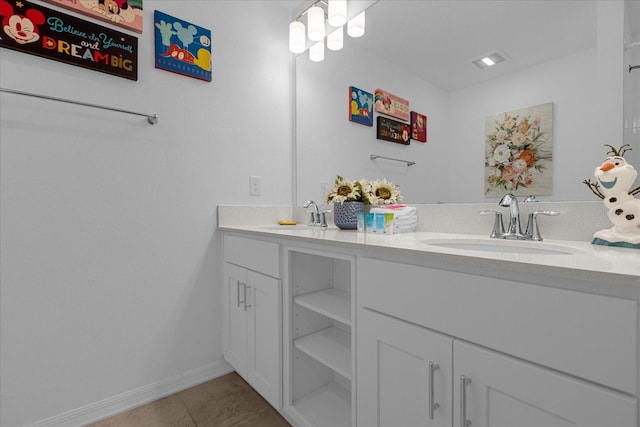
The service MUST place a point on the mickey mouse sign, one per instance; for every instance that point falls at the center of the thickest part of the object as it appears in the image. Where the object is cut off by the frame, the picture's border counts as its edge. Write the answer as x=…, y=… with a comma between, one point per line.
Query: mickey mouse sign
x=30, y=28
x=182, y=47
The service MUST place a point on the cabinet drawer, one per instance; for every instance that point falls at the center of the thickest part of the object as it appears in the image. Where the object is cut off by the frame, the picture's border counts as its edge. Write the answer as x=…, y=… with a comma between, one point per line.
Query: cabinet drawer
x=257, y=255
x=590, y=336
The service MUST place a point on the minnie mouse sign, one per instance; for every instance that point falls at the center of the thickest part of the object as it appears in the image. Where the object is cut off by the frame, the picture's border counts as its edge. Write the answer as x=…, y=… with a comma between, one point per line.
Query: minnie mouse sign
x=33, y=29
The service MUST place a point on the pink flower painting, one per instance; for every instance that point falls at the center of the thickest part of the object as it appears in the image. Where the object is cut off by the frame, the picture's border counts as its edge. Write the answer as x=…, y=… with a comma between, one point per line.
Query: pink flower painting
x=518, y=152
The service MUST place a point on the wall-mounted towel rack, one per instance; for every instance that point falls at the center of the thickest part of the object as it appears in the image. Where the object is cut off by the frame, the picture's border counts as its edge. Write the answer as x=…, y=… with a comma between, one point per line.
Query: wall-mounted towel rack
x=151, y=118
x=633, y=67
x=377, y=156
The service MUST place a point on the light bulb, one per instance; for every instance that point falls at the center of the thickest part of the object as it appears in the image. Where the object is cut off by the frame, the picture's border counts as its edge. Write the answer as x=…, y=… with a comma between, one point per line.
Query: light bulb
x=335, y=39
x=316, y=51
x=337, y=12
x=355, y=27
x=297, y=37
x=315, y=23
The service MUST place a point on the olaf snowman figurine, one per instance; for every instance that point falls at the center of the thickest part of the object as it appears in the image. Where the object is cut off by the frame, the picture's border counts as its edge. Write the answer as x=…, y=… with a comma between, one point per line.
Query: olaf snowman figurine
x=614, y=178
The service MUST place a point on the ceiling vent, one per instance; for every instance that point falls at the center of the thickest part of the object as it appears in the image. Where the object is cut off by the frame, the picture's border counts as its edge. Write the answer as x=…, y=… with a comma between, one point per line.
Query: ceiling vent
x=489, y=60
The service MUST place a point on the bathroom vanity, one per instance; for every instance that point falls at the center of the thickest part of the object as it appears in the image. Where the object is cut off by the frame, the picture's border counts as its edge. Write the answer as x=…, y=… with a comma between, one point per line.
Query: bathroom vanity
x=341, y=328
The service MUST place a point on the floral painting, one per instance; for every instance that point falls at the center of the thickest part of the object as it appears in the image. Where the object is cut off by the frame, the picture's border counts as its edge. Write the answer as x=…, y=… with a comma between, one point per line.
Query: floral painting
x=518, y=152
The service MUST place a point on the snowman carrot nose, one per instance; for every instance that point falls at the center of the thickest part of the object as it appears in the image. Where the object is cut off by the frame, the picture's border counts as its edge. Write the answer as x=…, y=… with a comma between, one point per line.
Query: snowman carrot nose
x=607, y=166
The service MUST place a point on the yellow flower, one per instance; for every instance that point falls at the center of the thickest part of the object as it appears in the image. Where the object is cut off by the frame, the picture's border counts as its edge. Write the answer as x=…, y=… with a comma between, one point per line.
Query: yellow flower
x=509, y=123
x=518, y=139
x=524, y=126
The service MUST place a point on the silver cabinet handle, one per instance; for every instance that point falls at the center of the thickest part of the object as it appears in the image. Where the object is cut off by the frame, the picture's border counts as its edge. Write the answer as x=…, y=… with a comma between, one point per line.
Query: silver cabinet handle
x=464, y=381
x=245, y=296
x=432, y=404
x=238, y=302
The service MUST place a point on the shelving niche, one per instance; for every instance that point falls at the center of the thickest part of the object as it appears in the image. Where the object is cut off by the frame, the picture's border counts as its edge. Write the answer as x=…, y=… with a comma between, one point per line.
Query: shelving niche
x=321, y=340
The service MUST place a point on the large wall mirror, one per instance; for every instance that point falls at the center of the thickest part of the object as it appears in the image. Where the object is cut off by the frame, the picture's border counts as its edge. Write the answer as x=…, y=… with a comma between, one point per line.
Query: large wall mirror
x=569, y=53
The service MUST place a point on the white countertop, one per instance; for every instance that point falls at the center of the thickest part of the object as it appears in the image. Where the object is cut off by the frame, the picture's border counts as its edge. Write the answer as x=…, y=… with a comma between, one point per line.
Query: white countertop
x=586, y=261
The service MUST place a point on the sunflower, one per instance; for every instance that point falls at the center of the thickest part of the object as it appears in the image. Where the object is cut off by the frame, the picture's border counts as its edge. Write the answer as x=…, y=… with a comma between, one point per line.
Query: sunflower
x=345, y=190
x=383, y=192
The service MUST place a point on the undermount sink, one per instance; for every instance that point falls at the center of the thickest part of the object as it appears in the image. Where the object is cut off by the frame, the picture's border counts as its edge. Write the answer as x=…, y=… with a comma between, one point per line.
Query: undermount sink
x=503, y=246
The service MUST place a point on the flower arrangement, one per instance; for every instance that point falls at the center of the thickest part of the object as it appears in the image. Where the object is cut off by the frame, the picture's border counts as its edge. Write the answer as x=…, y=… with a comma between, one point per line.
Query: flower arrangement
x=377, y=192
x=513, y=152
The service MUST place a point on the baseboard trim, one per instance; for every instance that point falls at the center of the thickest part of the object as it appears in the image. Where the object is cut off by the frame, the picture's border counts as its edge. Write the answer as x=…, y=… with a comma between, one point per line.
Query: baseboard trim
x=131, y=399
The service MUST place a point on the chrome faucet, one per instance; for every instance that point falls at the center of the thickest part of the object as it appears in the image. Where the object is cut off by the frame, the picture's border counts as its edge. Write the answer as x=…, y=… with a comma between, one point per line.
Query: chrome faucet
x=515, y=231
x=315, y=216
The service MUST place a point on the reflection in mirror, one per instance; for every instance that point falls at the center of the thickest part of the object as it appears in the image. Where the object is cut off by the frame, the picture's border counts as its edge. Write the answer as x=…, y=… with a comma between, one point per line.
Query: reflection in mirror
x=422, y=51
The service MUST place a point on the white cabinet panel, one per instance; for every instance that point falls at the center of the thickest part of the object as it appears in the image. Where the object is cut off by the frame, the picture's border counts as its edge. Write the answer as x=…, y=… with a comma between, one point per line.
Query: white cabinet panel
x=394, y=384
x=506, y=392
x=264, y=344
x=256, y=255
x=235, y=325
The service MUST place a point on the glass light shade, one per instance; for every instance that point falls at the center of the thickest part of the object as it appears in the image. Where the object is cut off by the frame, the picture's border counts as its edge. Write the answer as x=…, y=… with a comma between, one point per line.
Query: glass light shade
x=355, y=27
x=297, y=37
x=315, y=23
x=335, y=39
x=337, y=13
x=316, y=51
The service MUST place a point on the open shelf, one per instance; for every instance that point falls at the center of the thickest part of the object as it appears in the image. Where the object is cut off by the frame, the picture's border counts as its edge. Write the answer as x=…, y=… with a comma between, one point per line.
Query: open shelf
x=327, y=406
x=333, y=303
x=331, y=346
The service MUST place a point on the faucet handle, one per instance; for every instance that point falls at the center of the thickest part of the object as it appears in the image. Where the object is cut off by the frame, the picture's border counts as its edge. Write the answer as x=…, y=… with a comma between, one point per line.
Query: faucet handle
x=498, y=227
x=532, y=224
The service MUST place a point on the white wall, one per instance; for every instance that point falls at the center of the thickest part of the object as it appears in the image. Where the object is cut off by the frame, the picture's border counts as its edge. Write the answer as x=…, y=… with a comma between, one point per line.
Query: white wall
x=110, y=275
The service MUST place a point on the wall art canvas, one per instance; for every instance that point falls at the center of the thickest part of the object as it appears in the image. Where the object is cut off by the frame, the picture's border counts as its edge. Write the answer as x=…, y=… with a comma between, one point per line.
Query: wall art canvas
x=418, y=127
x=360, y=106
x=36, y=30
x=182, y=47
x=393, y=130
x=124, y=13
x=518, y=152
x=391, y=105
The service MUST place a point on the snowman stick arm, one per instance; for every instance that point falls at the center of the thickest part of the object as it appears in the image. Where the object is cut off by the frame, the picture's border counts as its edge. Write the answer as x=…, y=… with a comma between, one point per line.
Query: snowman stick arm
x=635, y=191
x=594, y=187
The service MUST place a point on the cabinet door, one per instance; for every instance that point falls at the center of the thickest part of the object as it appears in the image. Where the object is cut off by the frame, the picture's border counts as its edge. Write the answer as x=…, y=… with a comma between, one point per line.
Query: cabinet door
x=506, y=392
x=235, y=325
x=393, y=373
x=264, y=336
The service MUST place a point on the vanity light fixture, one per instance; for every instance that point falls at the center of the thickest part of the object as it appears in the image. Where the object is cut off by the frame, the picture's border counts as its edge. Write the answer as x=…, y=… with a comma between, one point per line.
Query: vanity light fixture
x=335, y=39
x=319, y=23
x=315, y=23
x=337, y=12
x=355, y=27
x=297, y=37
x=489, y=60
x=316, y=51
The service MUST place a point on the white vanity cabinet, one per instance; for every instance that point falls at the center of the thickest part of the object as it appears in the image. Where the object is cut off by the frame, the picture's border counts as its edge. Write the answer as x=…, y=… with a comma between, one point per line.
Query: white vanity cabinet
x=318, y=340
x=252, y=313
x=507, y=353
x=404, y=373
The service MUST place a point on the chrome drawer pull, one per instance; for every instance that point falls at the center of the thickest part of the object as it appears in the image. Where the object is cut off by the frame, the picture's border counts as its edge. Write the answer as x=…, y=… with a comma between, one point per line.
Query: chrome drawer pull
x=432, y=404
x=464, y=381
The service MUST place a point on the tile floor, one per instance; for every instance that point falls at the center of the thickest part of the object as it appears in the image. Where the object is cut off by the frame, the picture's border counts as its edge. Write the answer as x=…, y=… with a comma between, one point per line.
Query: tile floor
x=224, y=401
